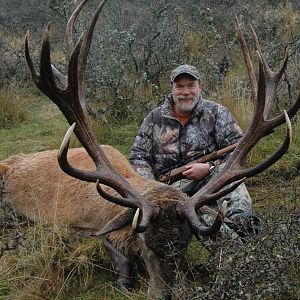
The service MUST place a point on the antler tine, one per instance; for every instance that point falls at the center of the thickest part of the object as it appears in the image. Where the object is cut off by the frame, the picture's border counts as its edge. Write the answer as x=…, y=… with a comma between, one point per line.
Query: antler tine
x=89, y=35
x=45, y=80
x=32, y=69
x=72, y=103
x=272, y=78
x=129, y=197
x=102, y=174
x=247, y=60
x=233, y=173
x=61, y=78
x=70, y=25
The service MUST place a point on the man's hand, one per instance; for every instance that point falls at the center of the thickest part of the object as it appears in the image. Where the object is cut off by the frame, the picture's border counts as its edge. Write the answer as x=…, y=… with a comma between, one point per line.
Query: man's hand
x=196, y=171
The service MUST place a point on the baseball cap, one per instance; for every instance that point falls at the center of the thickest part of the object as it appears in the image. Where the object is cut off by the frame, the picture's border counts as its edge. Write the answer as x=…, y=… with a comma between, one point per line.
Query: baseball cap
x=185, y=69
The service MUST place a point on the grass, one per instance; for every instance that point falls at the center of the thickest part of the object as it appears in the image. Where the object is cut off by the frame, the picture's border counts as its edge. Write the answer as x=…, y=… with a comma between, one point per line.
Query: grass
x=42, y=126
x=11, y=112
x=52, y=263
x=236, y=99
x=38, y=130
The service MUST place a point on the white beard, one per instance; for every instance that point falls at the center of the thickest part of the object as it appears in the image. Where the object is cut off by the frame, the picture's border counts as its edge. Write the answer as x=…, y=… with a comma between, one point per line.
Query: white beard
x=183, y=107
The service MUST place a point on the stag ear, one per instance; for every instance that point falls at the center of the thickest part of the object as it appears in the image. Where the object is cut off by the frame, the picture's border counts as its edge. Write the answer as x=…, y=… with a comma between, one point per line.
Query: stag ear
x=118, y=222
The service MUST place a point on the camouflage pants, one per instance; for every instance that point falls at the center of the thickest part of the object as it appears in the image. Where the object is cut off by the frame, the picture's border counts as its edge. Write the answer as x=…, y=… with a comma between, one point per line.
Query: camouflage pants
x=238, y=201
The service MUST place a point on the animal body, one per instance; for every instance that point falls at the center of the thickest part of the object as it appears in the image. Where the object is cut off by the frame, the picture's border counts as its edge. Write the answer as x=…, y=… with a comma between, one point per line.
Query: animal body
x=37, y=186
x=41, y=191
x=94, y=188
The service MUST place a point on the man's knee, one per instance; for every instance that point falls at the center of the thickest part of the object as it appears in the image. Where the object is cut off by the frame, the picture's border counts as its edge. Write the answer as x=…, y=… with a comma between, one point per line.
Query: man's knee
x=240, y=211
x=238, y=201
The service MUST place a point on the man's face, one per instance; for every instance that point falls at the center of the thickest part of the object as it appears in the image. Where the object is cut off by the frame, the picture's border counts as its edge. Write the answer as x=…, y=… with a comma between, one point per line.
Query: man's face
x=185, y=90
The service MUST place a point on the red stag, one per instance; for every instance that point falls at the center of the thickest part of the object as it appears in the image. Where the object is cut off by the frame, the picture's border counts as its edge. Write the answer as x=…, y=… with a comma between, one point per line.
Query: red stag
x=136, y=217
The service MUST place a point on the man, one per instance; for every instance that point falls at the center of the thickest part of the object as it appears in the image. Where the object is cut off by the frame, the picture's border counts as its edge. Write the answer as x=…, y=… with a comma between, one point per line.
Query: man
x=184, y=125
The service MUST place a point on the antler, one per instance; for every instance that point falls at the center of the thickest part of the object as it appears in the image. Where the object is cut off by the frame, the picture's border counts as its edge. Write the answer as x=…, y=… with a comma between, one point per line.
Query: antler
x=71, y=101
x=263, y=95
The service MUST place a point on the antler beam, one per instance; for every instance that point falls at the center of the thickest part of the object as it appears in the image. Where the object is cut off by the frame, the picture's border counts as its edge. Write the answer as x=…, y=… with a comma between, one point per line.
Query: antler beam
x=71, y=101
x=263, y=94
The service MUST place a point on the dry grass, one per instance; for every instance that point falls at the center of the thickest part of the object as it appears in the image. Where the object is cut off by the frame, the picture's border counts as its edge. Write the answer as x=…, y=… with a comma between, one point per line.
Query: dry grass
x=11, y=110
x=50, y=263
x=237, y=98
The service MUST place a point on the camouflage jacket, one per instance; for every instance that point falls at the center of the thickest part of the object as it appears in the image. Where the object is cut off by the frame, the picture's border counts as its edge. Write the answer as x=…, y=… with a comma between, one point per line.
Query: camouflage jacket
x=162, y=141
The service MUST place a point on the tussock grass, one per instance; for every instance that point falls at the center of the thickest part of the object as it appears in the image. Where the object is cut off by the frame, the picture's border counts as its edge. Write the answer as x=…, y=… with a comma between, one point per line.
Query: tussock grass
x=11, y=112
x=237, y=98
x=52, y=262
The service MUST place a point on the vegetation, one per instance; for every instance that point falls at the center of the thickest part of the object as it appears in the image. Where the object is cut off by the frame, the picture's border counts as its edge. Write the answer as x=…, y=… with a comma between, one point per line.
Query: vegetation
x=137, y=44
x=11, y=112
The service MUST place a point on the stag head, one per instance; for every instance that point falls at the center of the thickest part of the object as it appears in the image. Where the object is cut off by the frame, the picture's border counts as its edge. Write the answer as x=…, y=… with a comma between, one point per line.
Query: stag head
x=163, y=218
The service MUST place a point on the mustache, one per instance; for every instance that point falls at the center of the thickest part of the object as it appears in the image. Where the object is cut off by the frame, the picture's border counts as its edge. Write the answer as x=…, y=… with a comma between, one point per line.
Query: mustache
x=190, y=97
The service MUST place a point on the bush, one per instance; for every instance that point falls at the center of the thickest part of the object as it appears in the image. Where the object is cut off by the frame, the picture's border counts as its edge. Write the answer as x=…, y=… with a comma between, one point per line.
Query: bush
x=265, y=266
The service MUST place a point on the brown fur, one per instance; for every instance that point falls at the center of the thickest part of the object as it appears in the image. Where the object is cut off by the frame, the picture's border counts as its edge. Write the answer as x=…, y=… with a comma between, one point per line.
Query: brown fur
x=40, y=190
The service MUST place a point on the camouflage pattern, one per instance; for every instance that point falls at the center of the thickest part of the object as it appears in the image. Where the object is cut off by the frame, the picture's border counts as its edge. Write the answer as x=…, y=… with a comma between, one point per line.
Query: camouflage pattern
x=238, y=201
x=163, y=141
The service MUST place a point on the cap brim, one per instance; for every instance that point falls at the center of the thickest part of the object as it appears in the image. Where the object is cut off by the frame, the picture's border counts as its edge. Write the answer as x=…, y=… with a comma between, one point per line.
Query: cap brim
x=181, y=73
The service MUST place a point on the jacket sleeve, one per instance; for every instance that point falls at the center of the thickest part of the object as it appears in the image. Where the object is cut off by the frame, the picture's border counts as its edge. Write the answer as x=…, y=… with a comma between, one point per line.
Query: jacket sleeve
x=141, y=157
x=227, y=131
